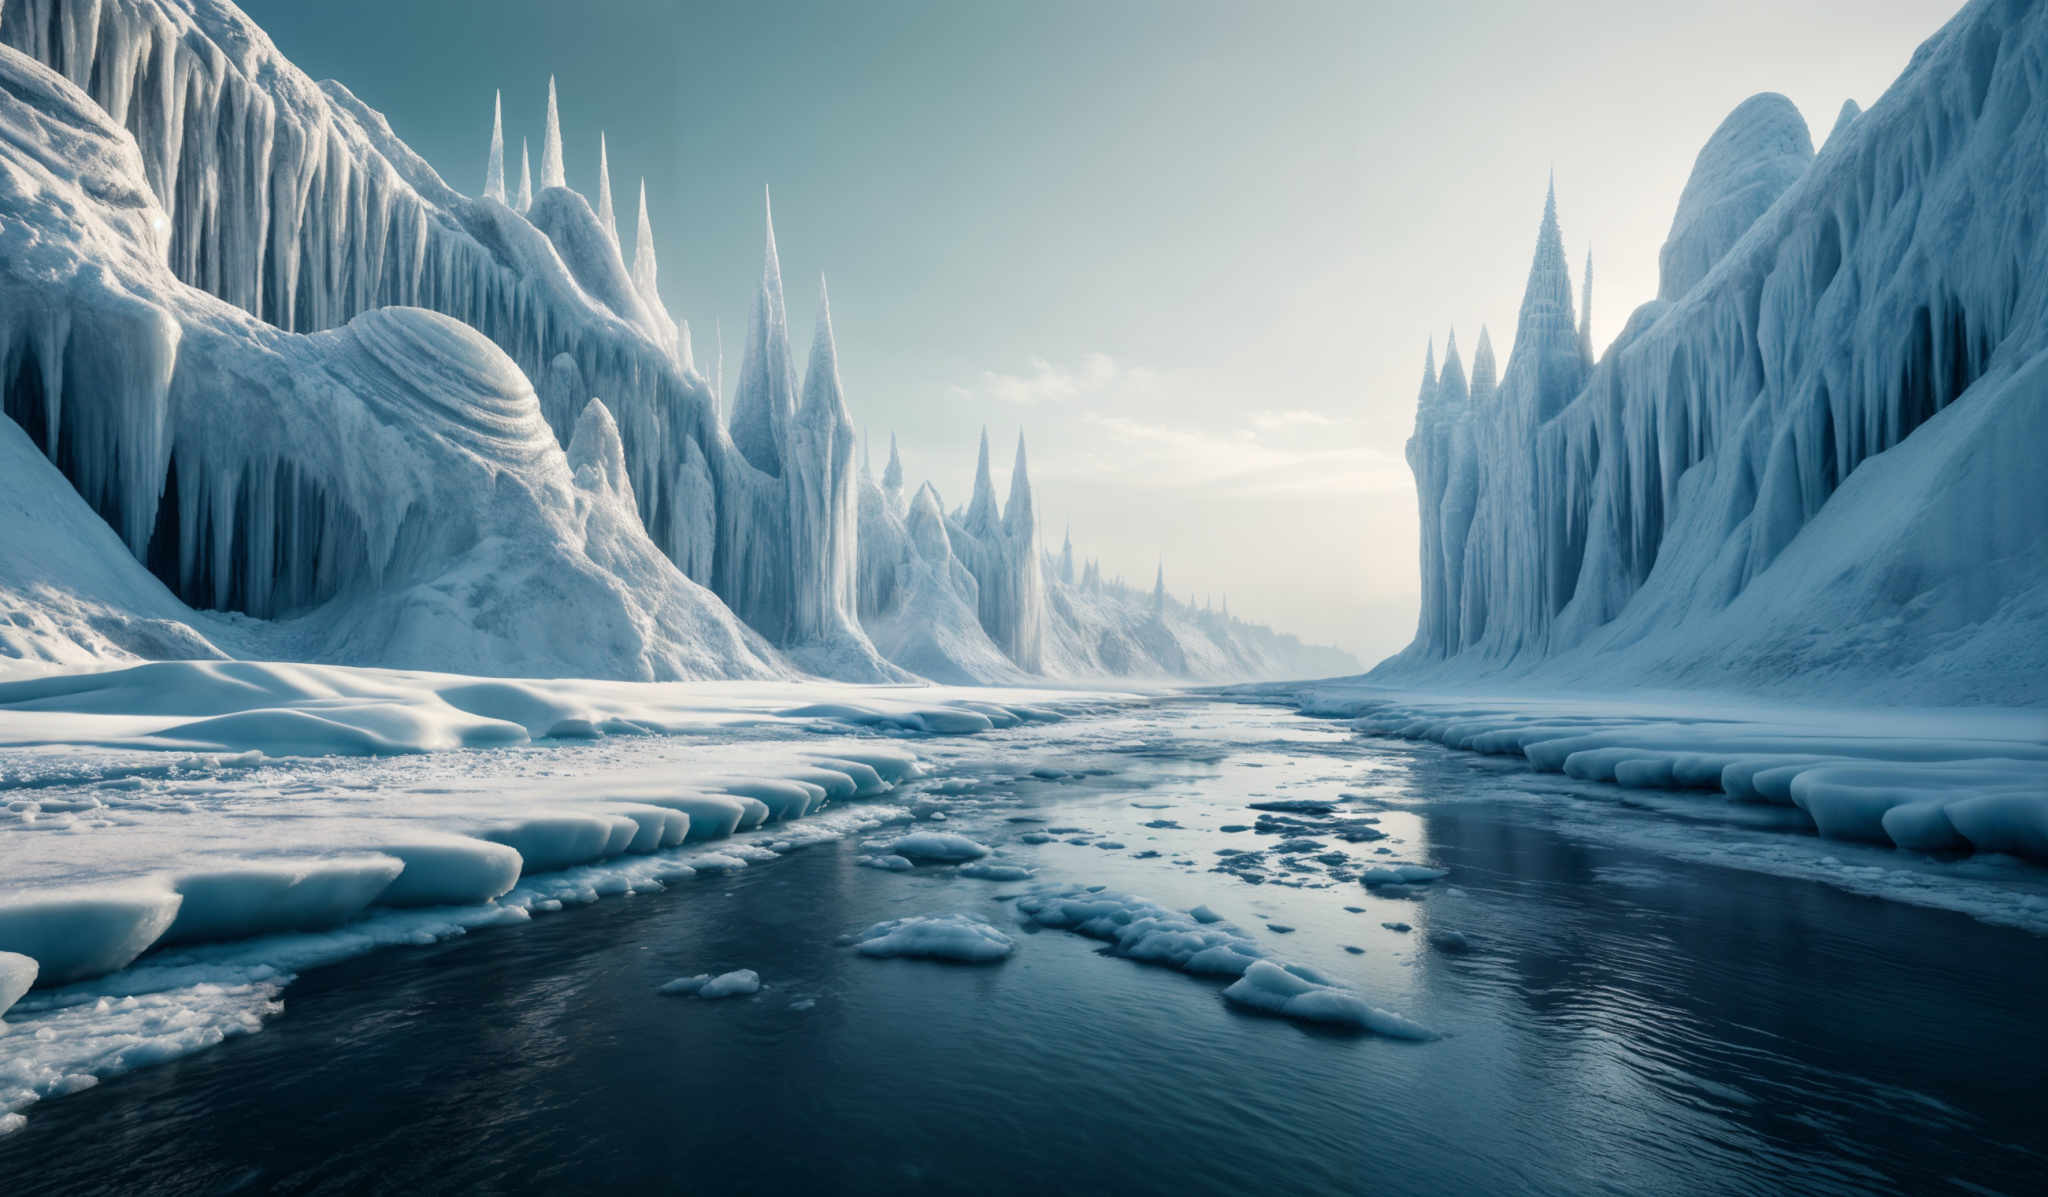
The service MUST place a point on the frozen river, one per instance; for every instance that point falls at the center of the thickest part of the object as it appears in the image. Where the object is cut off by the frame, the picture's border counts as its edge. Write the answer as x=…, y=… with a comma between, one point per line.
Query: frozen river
x=1620, y=1009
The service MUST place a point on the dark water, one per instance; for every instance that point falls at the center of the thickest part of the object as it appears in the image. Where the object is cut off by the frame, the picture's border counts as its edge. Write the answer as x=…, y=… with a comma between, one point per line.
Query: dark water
x=1623, y=1023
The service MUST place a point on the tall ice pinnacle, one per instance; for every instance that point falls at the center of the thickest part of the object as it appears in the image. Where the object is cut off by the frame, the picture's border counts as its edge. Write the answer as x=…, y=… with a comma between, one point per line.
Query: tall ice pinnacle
x=1586, y=311
x=1450, y=385
x=981, y=509
x=766, y=398
x=525, y=198
x=1019, y=517
x=645, y=270
x=823, y=398
x=605, y=216
x=892, y=474
x=1546, y=336
x=1485, y=375
x=551, y=145
x=494, y=170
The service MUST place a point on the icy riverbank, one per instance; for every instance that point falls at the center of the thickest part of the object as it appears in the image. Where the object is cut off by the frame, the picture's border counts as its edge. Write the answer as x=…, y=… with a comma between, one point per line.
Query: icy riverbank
x=1940, y=781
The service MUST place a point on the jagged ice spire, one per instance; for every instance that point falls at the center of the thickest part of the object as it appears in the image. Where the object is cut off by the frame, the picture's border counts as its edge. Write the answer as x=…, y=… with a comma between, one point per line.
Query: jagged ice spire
x=494, y=170
x=551, y=145
x=605, y=216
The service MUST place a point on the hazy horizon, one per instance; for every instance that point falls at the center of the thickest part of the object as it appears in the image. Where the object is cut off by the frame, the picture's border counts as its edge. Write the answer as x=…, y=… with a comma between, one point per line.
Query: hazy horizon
x=1192, y=252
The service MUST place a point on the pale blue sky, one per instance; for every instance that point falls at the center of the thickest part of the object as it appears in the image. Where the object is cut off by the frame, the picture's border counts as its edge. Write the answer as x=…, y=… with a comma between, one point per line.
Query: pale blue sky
x=1192, y=250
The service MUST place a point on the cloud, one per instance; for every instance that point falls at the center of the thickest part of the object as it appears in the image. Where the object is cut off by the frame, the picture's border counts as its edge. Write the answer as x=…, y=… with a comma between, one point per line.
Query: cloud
x=1093, y=375
x=1271, y=420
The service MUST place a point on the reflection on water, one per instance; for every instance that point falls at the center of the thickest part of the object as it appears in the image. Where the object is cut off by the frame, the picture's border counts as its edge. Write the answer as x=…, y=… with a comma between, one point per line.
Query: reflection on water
x=1622, y=1022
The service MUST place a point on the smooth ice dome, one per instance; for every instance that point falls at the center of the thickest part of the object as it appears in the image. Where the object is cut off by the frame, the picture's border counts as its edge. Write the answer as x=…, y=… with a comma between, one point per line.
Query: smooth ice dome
x=962, y=938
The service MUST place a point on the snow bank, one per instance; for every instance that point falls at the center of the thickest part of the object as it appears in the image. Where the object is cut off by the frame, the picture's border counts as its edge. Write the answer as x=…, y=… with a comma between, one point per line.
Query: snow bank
x=264, y=898
x=450, y=871
x=84, y=933
x=962, y=938
x=1910, y=778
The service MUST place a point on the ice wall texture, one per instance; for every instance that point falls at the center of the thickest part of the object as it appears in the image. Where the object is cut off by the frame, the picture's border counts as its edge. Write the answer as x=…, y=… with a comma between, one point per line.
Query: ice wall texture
x=391, y=482
x=1814, y=464
x=297, y=204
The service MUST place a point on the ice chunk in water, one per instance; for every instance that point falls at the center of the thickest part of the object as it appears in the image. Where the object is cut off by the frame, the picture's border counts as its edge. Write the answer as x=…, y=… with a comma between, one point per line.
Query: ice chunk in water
x=936, y=846
x=737, y=983
x=1285, y=991
x=962, y=938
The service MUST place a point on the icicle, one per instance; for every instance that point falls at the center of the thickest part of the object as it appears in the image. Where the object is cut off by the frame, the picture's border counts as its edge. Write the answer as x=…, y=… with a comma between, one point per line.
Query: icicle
x=551, y=174
x=525, y=199
x=605, y=218
x=494, y=170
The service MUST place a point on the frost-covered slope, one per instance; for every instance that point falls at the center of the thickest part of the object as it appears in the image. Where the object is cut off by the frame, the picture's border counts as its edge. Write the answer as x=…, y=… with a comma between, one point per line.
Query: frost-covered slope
x=390, y=485
x=1815, y=463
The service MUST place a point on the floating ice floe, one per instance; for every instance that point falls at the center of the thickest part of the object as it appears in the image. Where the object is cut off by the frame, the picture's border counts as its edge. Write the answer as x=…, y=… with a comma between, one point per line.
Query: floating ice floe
x=938, y=847
x=1141, y=930
x=738, y=983
x=962, y=938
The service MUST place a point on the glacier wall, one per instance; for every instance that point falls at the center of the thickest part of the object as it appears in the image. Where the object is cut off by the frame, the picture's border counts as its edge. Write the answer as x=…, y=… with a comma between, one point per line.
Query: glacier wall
x=1814, y=460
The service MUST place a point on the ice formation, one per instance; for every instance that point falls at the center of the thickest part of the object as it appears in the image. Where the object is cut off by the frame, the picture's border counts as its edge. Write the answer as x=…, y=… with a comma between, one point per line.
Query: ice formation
x=339, y=494
x=1812, y=462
